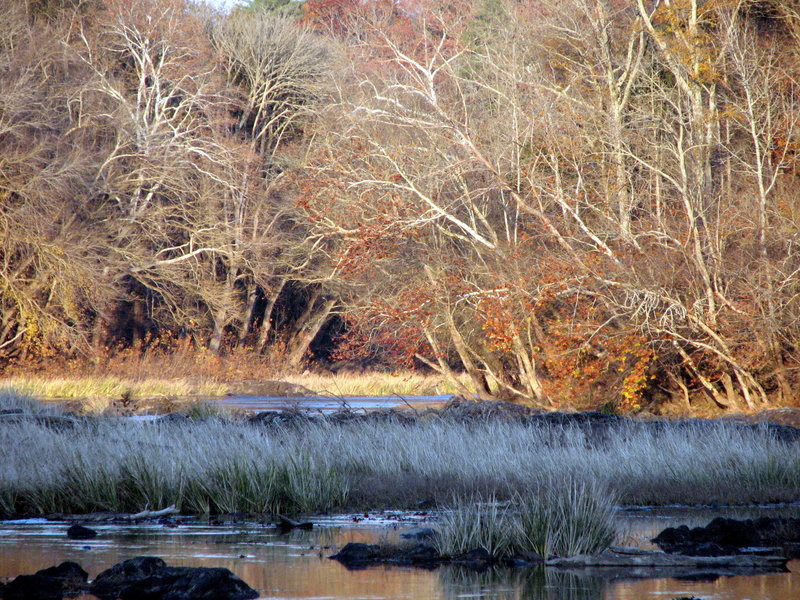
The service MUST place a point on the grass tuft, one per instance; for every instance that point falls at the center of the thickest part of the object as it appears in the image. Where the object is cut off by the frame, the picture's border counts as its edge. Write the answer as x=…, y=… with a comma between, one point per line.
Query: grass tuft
x=559, y=520
x=477, y=523
x=567, y=520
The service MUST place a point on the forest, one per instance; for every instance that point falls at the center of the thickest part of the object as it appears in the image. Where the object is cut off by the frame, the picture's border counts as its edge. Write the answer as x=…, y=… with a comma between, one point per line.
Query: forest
x=584, y=202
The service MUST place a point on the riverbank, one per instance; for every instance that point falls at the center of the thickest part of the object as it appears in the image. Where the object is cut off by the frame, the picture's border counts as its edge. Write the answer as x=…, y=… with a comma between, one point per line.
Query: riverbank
x=126, y=393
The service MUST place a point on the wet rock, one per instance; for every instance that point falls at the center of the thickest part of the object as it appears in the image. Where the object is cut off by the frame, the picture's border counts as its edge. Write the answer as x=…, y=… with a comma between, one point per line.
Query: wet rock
x=420, y=555
x=149, y=578
x=110, y=582
x=32, y=587
x=79, y=532
x=420, y=533
x=477, y=559
x=356, y=555
x=72, y=576
x=68, y=578
x=634, y=562
x=724, y=536
x=189, y=583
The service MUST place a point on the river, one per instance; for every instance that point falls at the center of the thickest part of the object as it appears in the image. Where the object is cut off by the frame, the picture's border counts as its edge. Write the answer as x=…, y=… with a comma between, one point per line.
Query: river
x=296, y=565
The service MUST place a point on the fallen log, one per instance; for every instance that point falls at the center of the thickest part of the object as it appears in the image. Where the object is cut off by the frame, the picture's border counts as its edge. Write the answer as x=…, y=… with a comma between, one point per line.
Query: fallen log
x=151, y=514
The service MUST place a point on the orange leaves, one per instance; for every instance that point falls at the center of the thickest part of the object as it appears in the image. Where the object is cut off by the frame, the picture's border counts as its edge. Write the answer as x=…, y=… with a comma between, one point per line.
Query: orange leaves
x=498, y=322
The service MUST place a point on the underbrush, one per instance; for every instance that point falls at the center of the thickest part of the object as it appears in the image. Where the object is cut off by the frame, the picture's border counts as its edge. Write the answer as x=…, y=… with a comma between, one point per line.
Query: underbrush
x=212, y=464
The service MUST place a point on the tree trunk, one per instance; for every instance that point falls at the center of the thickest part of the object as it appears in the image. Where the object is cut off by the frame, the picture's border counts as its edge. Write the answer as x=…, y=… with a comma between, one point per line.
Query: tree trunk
x=252, y=296
x=266, y=320
x=302, y=340
x=220, y=318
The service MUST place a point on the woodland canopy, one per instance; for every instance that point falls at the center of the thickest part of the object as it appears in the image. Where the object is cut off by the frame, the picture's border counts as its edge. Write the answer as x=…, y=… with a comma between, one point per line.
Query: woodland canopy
x=583, y=200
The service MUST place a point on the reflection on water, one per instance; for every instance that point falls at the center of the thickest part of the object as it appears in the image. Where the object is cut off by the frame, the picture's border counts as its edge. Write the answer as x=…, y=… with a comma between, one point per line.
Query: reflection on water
x=535, y=583
x=323, y=404
x=296, y=565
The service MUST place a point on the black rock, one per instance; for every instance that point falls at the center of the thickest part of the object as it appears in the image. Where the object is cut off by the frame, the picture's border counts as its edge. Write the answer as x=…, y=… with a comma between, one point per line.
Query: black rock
x=477, y=559
x=110, y=582
x=419, y=555
x=71, y=574
x=79, y=532
x=189, y=583
x=724, y=536
x=32, y=587
x=356, y=555
x=149, y=578
x=48, y=584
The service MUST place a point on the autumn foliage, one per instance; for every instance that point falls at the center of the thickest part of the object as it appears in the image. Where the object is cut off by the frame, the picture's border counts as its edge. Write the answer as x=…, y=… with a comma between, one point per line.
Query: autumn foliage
x=586, y=204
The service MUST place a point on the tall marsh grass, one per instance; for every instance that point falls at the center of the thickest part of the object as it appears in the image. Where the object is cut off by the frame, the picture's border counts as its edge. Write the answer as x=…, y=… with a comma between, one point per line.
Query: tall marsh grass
x=562, y=519
x=222, y=465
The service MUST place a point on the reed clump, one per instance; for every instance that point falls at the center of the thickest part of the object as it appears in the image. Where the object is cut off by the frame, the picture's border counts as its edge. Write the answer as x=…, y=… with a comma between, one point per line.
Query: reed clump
x=564, y=519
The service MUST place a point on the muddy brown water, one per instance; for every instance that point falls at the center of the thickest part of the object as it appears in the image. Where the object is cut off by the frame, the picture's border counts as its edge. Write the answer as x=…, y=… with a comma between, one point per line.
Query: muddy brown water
x=295, y=565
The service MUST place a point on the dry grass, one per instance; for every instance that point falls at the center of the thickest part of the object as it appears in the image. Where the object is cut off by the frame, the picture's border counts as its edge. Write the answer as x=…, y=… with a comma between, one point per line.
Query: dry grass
x=401, y=383
x=225, y=465
x=203, y=376
x=78, y=388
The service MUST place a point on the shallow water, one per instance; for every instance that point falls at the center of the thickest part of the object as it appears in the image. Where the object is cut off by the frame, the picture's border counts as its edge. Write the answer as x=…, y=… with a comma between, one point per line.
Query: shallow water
x=323, y=404
x=295, y=565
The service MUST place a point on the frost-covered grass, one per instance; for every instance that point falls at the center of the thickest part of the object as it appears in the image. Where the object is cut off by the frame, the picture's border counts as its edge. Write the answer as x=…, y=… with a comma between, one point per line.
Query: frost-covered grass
x=222, y=465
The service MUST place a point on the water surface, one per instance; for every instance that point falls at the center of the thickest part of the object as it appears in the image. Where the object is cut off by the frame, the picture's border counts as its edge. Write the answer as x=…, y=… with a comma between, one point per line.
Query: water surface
x=324, y=404
x=295, y=565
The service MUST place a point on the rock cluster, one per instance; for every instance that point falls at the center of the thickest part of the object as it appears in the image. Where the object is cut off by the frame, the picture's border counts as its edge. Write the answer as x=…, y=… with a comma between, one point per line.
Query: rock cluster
x=596, y=425
x=724, y=537
x=140, y=578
